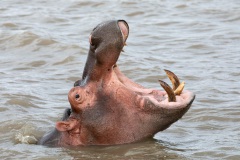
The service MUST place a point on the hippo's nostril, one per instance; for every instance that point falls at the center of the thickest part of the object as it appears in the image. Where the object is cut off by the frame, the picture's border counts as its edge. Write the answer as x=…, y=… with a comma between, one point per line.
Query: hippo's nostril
x=77, y=96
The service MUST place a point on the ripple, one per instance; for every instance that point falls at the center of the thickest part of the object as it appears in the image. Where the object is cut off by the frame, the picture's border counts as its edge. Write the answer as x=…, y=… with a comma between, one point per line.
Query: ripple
x=26, y=38
x=181, y=6
x=21, y=102
x=65, y=61
x=10, y=25
x=133, y=14
x=2, y=109
x=45, y=42
x=198, y=46
x=84, y=4
x=37, y=63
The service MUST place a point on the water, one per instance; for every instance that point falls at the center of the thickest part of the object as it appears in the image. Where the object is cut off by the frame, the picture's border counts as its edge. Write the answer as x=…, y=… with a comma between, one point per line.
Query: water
x=43, y=49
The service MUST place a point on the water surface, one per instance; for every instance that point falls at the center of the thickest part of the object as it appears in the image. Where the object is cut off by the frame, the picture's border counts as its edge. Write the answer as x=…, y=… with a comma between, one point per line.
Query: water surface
x=43, y=49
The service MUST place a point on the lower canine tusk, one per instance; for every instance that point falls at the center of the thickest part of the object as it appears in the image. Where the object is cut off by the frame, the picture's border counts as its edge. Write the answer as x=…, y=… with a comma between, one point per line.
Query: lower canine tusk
x=173, y=78
x=168, y=89
x=179, y=90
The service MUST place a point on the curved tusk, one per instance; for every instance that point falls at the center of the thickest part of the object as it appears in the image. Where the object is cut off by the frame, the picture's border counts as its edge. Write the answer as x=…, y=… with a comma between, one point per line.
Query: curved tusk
x=173, y=78
x=168, y=89
x=179, y=90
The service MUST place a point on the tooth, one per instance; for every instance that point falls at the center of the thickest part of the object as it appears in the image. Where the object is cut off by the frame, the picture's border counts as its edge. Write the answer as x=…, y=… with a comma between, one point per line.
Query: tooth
x=179, y=90
x=168, y=89
x=173, y=78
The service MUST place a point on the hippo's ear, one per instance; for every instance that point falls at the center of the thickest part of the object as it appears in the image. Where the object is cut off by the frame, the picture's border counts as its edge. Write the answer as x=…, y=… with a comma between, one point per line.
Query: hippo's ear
x=64, y=126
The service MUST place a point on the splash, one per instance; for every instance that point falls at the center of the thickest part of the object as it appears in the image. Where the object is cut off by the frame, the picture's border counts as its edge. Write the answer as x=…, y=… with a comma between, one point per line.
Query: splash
x=24, y=135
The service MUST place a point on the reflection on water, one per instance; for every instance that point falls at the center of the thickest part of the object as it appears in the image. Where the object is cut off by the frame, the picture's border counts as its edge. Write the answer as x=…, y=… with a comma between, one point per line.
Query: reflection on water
x=43, y=48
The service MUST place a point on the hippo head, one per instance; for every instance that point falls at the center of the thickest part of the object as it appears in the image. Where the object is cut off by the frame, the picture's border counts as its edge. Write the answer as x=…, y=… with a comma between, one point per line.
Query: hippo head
x=108, y=108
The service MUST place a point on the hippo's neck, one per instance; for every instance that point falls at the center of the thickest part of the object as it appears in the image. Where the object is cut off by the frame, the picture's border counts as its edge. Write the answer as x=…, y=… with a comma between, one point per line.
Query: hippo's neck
x=51, y=139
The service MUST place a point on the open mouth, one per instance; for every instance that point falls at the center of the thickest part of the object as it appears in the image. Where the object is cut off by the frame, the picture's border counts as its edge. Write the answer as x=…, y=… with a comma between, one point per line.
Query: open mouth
x=170, y=98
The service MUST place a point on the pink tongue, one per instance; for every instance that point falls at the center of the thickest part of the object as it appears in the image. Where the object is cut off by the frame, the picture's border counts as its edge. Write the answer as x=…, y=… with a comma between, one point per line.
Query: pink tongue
x=124, y=30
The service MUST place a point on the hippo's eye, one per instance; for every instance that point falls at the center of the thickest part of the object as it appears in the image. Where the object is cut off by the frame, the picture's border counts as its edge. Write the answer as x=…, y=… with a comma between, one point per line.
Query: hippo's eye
x=77, y=96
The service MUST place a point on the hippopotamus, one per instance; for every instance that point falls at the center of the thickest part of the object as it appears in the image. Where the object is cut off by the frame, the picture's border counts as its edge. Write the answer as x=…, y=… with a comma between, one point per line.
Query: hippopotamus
x=107, y=108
